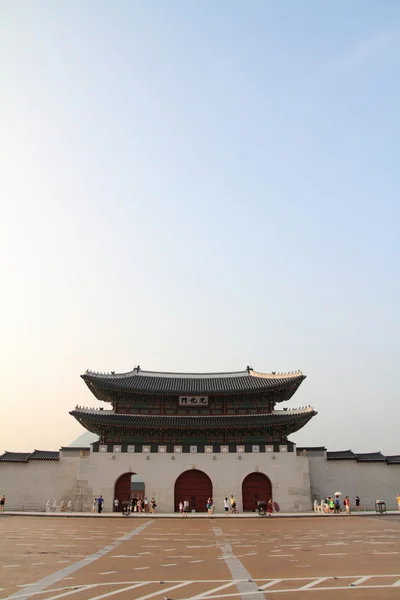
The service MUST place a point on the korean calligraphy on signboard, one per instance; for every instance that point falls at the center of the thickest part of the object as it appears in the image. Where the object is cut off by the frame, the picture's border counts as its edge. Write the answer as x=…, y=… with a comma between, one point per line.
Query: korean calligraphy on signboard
x=193, y=400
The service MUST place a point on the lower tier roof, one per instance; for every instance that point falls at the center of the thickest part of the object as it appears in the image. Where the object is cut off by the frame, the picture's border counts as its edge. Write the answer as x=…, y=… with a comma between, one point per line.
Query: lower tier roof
x=95, y=420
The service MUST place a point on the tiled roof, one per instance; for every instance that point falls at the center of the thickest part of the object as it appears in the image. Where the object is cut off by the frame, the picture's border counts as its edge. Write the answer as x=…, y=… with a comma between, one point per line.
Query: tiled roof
x=15, y=456
x=311, y=448
x=359, y=457
x=151, y=382
x=74, y=448
x=393, y=460
x=341, y=455
x=27, y=456
x=44, y=455
x=370, y=457
x=104, y=418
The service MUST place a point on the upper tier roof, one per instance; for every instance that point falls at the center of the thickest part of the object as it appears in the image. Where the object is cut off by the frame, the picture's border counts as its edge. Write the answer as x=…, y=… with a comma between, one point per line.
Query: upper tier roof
x=151, y=382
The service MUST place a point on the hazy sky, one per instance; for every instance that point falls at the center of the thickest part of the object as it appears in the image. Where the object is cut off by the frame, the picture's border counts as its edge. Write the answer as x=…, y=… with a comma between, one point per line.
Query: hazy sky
x=200, y=186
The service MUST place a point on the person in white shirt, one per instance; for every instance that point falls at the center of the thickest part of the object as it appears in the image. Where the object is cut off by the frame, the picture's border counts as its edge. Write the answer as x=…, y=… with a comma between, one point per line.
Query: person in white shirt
x=116, y=505
x=226, y=506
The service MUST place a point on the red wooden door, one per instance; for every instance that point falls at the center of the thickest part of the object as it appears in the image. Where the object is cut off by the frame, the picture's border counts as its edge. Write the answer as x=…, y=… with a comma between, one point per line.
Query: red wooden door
x=123, y=487
x=194, y=486
x=255, y=486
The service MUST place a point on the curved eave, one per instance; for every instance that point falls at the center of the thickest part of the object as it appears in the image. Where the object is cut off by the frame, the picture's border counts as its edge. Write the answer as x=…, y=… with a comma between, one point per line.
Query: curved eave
x=104, y=386
x=96, y=422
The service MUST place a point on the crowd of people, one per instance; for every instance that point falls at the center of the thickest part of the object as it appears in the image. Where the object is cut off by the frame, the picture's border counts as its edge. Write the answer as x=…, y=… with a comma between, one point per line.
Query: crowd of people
x=229, y=507
x=332, y=504
x=140, y=505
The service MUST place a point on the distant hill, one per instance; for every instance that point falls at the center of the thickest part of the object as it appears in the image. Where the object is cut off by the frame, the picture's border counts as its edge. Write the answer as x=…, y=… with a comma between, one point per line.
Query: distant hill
x=85, y=439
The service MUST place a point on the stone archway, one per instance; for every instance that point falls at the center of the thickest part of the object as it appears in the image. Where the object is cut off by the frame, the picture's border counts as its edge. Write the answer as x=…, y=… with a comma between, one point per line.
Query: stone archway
x=127, y=486
x=195, y=486
x=256, y=486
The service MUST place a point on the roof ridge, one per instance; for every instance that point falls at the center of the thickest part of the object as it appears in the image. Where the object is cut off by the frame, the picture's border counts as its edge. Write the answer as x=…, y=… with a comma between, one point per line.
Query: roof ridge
x=94, y=411
x=141, y=372
x=137, y=371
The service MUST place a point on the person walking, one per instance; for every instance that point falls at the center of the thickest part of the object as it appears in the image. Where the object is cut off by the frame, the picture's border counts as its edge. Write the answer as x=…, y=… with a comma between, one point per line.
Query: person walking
x=116, y=505
x=398, y=501
x=226, y=506
x=2, y=503
x=232, y=503
x=100, y=501
x=210, y=507
x=337, y=505
x=357, y=503
x=146, y=504
x=180, y=507
x=153, y=506
x=185, y=508
x=270, y=507
x=331, y=505
x=347, y=505
x=94, y=505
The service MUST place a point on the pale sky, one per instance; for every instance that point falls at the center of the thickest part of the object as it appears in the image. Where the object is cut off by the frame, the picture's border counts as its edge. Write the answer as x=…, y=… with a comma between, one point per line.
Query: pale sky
x=200, y=186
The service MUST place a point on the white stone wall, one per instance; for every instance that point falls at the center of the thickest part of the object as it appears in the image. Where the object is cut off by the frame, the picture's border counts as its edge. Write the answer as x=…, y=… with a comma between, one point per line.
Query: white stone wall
x=288, y=473
x=80, y=479
x=28, y=486
x=370, y=481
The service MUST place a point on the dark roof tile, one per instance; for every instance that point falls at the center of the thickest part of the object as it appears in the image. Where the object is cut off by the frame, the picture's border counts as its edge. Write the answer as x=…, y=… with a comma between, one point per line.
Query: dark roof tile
x=109, y=419
x=15, y=456
x=150, y=382
x=393, y=460
x=370, y=457
x=341, y=455
x=74, y=448
x=44, y=455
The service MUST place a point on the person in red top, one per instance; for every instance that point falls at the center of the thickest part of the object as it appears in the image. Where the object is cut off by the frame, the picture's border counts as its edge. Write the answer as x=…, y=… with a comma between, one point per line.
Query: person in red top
x=270, y=507
x=347, y=504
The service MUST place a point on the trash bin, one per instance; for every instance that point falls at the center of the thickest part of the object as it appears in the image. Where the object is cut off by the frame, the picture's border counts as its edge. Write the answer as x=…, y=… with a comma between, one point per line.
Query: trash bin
x=380, y=506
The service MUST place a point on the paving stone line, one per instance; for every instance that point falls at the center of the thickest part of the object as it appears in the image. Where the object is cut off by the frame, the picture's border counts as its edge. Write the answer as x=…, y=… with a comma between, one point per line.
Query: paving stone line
x=53, y=578
x=247, y=589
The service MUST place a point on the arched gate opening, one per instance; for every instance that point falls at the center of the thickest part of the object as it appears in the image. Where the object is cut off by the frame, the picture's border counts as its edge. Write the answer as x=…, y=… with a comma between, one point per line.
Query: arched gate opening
x=195, y=486
x=128, y=486
x=255, y=487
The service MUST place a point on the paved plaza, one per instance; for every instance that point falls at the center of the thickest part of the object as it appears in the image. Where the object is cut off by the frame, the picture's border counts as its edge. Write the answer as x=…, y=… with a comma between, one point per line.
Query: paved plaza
x=139, y=559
